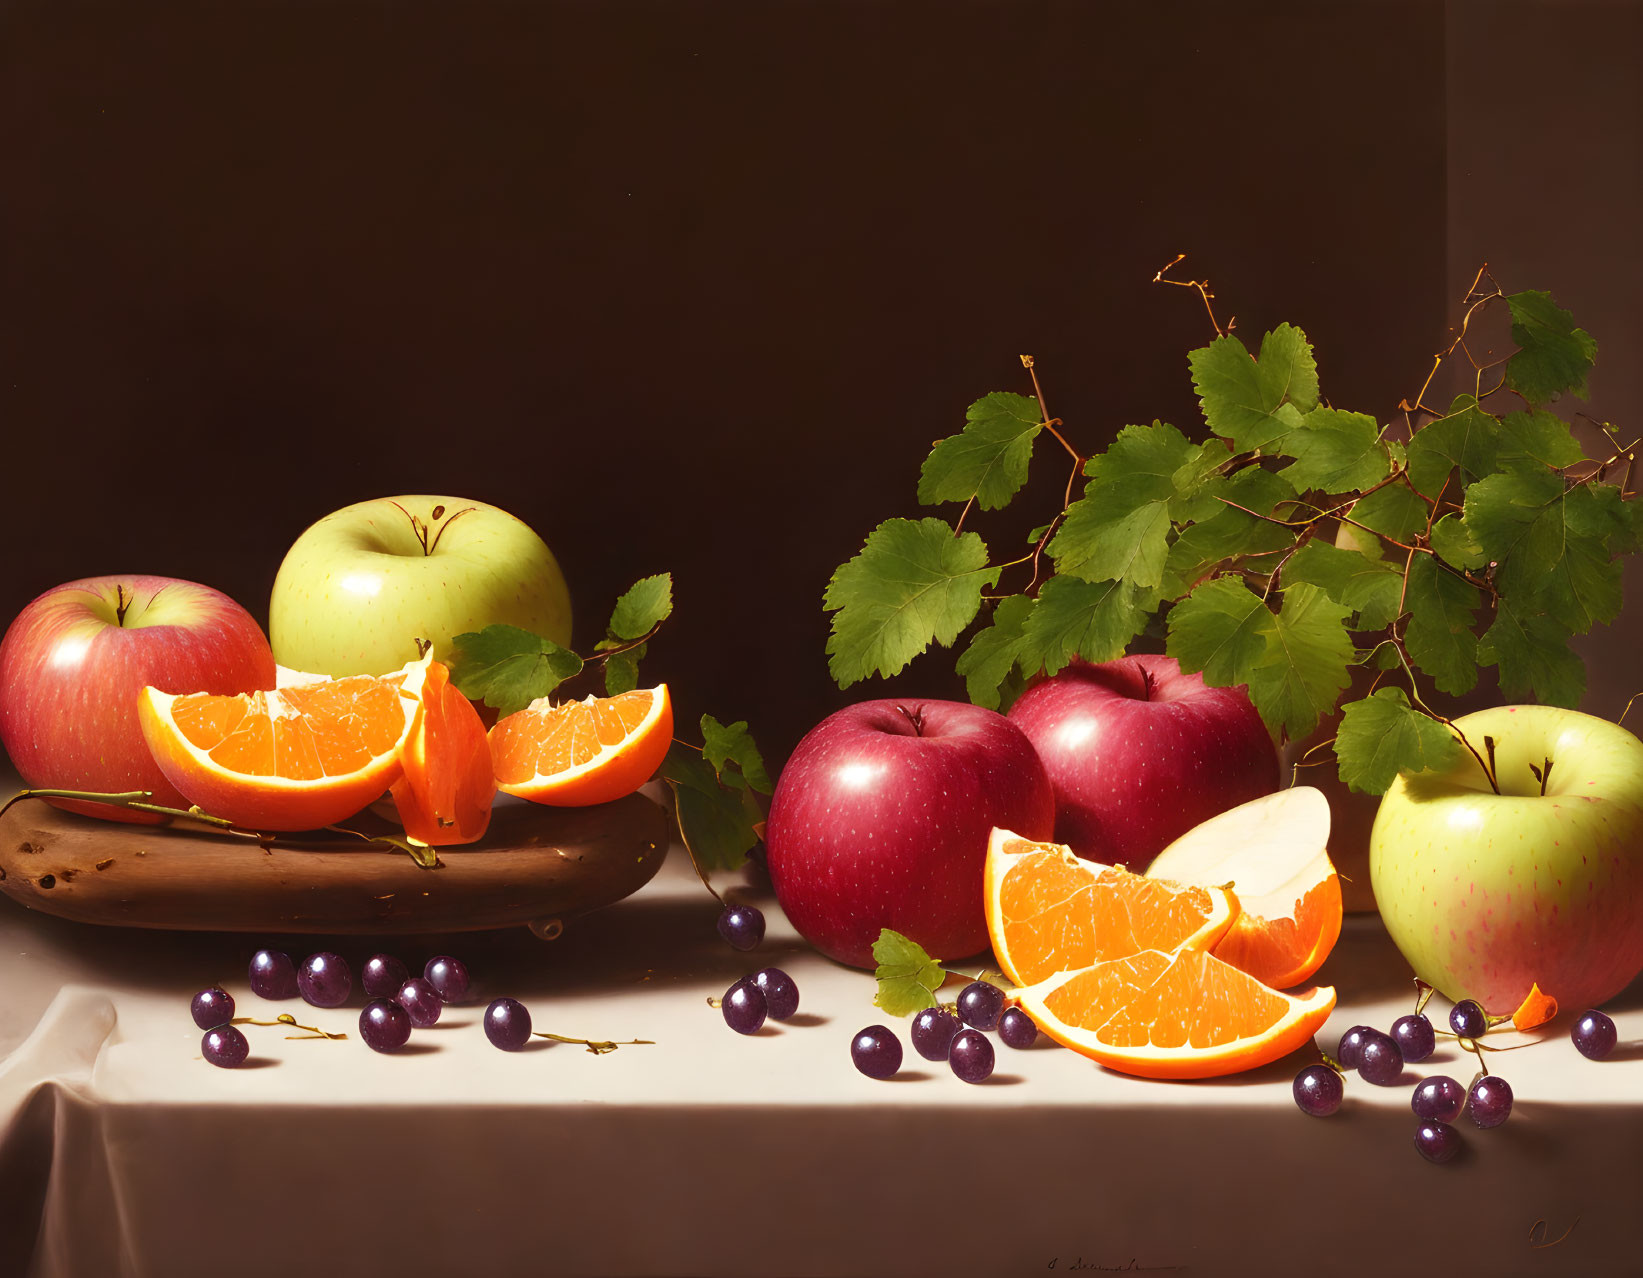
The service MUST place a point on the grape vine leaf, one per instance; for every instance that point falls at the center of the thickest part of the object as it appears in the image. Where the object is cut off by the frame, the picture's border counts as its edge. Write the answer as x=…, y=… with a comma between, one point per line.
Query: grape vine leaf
x=508, y=668
x=1306, y=664
x=913, y=582
x=645, y=605
x=717, y=822
x=1120, y=527
x=988, y=459
x=1256, y=402
x=1454, y=543
x=908, y=978
x=724, y=745
x=622, y=670
x=987, y=663
x=1532, y=653
x=1538, y=437
x=1094, y=620
x=1393, y=511
x=1553, y=355
x=1335, y=452
x=1226, y=532
x=1466, y=438
x=1441, y=636
x=1220, y=629
x=1370, y=587
x=1382, y=735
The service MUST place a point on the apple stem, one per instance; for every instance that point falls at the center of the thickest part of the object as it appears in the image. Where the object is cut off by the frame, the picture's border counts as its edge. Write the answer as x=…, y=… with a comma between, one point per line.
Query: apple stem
x=121, y=603
x=915, y=717
x=1423, y=995
x=438, y=511
x=1489, y=746
x=1544, y=775
x=1621, y=722
x=598, y=1046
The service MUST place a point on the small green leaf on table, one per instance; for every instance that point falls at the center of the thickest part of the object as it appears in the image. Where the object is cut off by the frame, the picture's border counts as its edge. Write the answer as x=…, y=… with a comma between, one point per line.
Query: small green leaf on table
x=987, y=460
x=508, y=668
x=908, y=977
x=1383, y=735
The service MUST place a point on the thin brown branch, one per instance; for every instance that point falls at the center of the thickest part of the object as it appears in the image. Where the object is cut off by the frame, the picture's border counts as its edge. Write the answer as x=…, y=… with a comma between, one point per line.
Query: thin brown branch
x=1203, y=291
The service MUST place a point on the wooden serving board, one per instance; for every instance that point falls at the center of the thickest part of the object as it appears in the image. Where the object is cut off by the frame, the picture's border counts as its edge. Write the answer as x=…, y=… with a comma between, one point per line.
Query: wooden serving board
x=535, y=866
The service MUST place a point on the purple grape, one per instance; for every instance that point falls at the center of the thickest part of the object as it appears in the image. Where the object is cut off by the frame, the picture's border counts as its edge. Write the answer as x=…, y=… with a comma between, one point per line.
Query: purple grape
x=384, y=1025
x=324, y=980
x=1346, y=1052
x=741, y=926
x=1491, y=1101
x=448, y=976
x=421, y=1001
x=1468, y=1019
x=980, y=1004
x=933, y=1032
x=781, y=994
x=744, y=1006
x=225, y=1046
x=1415, y=1038
x=273, y=975
x=508, y=1024
x=1439, y=1098
x=1318, y=1091
x=382, y=975
x=1016, y=1028
x=1437, y=1142
x=1593, y=1035
x=972, y=1056
x=1379, y=1060
x=212, y=1007
x=876, y=1052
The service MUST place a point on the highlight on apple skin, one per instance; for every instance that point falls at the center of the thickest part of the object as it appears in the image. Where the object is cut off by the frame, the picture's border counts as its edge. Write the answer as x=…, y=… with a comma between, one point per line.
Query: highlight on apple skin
x=1486, y=894
x=75, y=659
x=1139, y=753
x=882, y=817
x=359, y=587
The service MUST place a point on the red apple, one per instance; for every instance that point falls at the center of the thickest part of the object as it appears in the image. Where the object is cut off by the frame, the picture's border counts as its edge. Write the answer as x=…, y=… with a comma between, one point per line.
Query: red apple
x=1139, y=753
x=74, y=660
x=881, y=819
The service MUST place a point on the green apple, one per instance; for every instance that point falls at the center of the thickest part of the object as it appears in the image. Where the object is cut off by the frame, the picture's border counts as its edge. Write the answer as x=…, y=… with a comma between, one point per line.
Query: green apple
x=1489, y=893
x=361, y=586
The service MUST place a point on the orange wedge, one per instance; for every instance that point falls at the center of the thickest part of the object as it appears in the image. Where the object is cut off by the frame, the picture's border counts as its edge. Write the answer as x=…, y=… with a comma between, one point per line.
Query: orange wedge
x=1273, y=852
x=1180, y=1015
x=296, y=758
x=1050, y=911
x=583, y=752
x=445, y=792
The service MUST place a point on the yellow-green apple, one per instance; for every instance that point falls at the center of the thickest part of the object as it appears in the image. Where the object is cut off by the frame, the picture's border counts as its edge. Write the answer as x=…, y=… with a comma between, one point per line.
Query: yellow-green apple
x=1139, y=753
x=74, y=661
x=881, y=819
x=1487, y=894
x=361, y=586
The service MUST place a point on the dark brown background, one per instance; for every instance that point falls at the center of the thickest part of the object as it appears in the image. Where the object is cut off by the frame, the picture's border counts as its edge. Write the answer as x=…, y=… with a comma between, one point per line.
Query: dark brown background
x=694, y=286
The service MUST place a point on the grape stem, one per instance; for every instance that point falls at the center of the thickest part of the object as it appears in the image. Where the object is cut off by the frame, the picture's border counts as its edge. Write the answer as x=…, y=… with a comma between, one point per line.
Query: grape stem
x=598, y=1046
x=285, y=1018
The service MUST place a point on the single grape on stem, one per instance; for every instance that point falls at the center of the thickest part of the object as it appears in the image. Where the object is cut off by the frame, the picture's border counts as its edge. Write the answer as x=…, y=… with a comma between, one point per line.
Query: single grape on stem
x=421, y=1000
x=741, y=926
x=1318, y=1091
x=1415, y=1037
x=1379, y=1060
x=1437, y=1142
x=933, y=1031
x=273, y=975
x=448, y=976
x=324, y=980
x=781, y=993
x=1346, y=1052
x=508, y=1024
x=1594, y=1035
x=981, y=1004
x=876, y=1052
x=1439, y=1098
x=1491, y=1101
x=384, y=1025
x=1468, y=1019
x=225, y=1046
x=744, y=1006
x=971, y=1056
x=1016, y=1028
x=212, y=1007
x=382, y=975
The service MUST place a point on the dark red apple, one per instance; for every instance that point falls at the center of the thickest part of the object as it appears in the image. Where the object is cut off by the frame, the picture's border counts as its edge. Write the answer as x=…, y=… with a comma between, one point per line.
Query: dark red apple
x=881, y=819
x=74, y=661
x=1139, y=753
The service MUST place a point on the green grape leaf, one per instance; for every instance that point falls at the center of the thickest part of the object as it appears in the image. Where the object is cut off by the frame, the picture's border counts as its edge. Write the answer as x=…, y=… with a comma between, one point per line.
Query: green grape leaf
x=1196, y=482
x=987, y=663
x=622, y=670
x=1553, y=355
x=1335, y=452
x=1393, y=512
x=1254, y=403
x=1094, y=620
x=1370, y=587
x=1553, y=544
x=1442, y=615
x=716, y=821
x=1227, y=532
x=1120, y=527
x=646, y=605
x=1037, y=534
x=1466, y=438
x=914, y=582
x=1306, y=664
x=1532, y=653
x=908, y=977
x=508, y=668
x=1454, y=543
x=724, y=745
x=1538, y=437
x=1221, y=629
x=1382, y=735
x=986, y=460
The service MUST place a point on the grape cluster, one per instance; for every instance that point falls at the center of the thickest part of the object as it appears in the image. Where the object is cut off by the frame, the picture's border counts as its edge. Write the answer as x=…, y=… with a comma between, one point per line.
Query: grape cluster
x=955, y=1034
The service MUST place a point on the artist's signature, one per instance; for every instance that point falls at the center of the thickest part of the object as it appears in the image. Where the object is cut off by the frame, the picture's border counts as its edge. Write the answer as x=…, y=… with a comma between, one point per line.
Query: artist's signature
x=1540, y=1235
x=1130, y=1266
